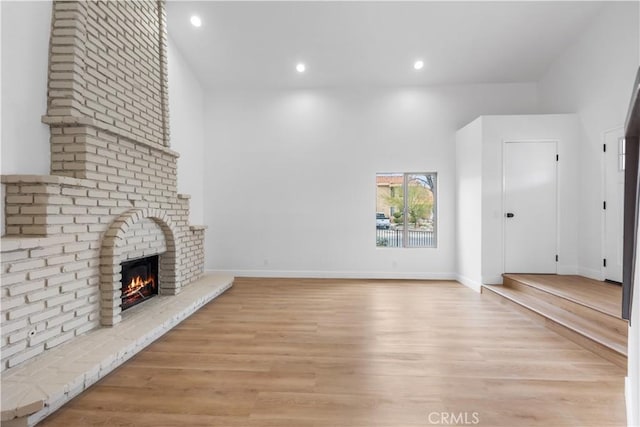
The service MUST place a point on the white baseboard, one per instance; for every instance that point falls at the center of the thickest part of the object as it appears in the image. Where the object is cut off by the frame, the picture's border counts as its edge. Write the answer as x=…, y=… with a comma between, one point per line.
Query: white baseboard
x=310, y=274
x=470, y=283
x=492, y=280
x=591, y=273
x=567, y=269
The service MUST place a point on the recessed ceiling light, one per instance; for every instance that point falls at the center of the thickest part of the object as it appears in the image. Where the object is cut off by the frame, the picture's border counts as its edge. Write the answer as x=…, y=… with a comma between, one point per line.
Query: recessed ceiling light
x=418, y=65
x=196, y=21
x=301, y=68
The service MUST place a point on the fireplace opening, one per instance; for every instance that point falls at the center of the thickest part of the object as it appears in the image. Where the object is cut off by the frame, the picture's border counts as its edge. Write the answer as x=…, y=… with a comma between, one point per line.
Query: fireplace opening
x=139, y=281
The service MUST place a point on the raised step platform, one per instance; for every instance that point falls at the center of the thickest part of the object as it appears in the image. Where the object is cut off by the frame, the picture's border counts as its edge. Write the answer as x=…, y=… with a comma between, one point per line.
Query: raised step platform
x=583, y=310
x=36, y=388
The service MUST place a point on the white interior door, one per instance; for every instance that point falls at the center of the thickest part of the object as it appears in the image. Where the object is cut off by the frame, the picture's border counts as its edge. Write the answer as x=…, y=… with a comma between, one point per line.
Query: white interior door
x=530, y=201
x=614, y=199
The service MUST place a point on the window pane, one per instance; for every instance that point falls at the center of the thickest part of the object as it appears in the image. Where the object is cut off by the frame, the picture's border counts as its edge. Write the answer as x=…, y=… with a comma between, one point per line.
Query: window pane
x=389, y=207
x=405, y=221
x=420, y=210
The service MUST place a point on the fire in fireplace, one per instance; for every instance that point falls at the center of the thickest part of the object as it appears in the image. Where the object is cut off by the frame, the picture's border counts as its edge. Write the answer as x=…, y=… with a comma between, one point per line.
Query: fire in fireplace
x=139, y=281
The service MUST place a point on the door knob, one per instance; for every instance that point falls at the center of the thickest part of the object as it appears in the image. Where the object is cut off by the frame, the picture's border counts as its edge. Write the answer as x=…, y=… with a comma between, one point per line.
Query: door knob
x=509, y=215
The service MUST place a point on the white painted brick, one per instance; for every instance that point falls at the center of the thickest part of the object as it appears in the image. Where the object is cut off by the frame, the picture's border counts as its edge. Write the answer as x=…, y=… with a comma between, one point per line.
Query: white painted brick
x=98, y=194
x=60, y=339
x=86, y=273
x=74, y=192
x=99, y=228
x=74, y=266
x=43, y=272
x=54, y=220
x=73, y=305
x=10, y=280
x=19, y=199
x=87, y=309
x=9, y=327
x=75, y=247
x=74, y=228
x=52, y=250
x=14, y=349
x=87, y=255
x=27, y=265
x=85, y=202
x=14, y=256
x=60, y=319
x=86, y=292
x=41, y=337
x=46, y=293
x=18, y=336
x=87, y=237
x=25, y=356
x=10, y=303
x=17, y=313
x=93, y=324
x=63, y=259
x=54, y=200
x=44, y=315
x=73, y=324
x=60, y=279
x=86, y=219
x=60, y=300
x=74, y=210
x=72, y=286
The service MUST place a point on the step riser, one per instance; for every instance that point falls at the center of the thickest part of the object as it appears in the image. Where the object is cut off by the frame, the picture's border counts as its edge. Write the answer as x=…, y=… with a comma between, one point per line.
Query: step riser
x=595, y=347
x=614, y=324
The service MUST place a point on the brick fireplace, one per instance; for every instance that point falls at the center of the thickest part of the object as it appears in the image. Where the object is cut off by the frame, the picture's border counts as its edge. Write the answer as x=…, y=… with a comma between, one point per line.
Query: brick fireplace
x=111, y=196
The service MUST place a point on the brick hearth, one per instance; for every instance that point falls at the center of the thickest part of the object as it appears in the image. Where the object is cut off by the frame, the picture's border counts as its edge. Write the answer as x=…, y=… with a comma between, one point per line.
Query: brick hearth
x=40, y=386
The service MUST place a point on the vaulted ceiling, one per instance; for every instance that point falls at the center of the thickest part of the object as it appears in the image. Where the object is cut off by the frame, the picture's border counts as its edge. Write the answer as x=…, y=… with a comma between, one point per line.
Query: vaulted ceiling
x=258, y=44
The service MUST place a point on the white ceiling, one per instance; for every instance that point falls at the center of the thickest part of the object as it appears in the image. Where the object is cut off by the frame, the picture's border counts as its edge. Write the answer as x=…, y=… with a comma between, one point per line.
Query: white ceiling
x=257, y=44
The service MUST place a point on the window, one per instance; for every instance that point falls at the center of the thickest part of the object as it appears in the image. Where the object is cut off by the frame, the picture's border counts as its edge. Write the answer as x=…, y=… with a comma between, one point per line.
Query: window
x=622, y=152
x=406, y=222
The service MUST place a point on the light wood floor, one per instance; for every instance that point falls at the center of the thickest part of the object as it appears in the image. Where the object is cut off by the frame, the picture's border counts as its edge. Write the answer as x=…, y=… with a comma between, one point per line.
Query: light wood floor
x=603, y=296
x=287, y=353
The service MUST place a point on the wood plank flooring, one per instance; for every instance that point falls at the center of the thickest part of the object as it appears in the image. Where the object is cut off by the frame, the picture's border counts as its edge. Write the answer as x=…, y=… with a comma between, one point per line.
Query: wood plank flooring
x=312, y=353
x=602, y=296
x=576, y=307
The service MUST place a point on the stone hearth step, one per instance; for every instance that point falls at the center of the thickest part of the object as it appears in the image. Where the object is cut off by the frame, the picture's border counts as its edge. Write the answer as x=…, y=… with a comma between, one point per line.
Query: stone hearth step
x=35, y=389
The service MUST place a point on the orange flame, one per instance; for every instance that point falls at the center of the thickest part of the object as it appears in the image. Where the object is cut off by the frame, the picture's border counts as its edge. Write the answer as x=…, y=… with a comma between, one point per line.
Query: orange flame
x=138, y=283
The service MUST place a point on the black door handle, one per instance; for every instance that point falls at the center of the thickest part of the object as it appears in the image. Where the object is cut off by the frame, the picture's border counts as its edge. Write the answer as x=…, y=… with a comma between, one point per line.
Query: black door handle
x=509, y=215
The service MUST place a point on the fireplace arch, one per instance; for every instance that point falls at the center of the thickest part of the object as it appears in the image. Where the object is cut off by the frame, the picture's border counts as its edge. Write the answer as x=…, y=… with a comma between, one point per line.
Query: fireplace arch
x=119, y=241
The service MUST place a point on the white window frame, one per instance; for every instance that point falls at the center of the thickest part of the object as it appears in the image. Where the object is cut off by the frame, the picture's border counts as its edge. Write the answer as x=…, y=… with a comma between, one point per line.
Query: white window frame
x=405, y=192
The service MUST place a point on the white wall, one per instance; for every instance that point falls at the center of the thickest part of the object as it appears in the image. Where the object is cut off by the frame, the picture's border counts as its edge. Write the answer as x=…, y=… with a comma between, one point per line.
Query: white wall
x=469, y=204
x=480, y=212
x=291, y=175
x=186, y=121
x=25, y=54
x=594, y=78
x=565, y=129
